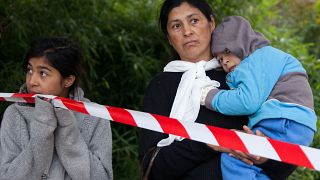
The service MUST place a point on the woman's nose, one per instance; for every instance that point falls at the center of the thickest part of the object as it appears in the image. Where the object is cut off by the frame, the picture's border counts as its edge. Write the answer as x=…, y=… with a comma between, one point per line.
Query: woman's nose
x=187, y=30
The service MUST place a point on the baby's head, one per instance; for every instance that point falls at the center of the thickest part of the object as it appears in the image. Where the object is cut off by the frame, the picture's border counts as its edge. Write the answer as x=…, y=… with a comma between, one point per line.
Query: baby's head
x=228, y=60
x=236, y=35
x=53, y=66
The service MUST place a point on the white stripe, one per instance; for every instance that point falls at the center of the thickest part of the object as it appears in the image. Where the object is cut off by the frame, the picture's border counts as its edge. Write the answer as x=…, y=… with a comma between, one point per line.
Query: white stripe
x=145, y=120
x=258, y=145
x=45, y=96
x=58, y=103
x=11, y=99
x=199, y=132
x=313, y=155
x=97, y=110
x=6, y=95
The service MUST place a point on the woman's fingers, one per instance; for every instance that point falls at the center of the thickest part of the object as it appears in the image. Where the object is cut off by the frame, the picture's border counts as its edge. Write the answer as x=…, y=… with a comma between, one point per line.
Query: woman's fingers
x=247, y=129
x=245, y=157
x=241, y=156
x=259, y=133
x=218, y=148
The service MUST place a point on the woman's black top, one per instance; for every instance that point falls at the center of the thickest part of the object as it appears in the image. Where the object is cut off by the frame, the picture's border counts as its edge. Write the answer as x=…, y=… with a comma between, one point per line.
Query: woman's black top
x=184, y=159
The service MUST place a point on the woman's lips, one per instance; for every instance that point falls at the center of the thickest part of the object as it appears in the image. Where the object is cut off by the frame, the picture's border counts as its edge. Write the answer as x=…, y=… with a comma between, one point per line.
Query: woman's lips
x=191, y=43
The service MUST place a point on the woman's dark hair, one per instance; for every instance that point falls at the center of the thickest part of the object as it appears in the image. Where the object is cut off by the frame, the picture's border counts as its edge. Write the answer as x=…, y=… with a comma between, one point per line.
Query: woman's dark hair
x=168, y=5
x=61, y=53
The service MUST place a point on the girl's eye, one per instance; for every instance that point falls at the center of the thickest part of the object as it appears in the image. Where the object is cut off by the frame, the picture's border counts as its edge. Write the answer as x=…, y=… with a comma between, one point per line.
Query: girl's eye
x=43, y=74
x=29, y=70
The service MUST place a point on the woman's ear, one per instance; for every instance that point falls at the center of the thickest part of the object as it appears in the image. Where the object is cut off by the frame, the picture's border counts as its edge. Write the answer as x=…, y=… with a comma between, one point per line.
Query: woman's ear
x=212, y=23
x=68, y=81
x=169, y=40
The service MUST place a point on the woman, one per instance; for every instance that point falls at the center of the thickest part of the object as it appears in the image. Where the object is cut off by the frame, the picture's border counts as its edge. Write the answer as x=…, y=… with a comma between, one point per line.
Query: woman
x=42, y=142
x=188, y=25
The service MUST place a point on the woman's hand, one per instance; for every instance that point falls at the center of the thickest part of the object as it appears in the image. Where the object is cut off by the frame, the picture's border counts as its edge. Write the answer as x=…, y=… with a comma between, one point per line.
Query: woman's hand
x=248, y=158
x=245, y=157
x=219, y=148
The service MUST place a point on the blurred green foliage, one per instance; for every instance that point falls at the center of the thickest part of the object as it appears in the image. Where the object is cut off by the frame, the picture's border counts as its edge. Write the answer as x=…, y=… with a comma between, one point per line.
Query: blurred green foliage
x=124, y=49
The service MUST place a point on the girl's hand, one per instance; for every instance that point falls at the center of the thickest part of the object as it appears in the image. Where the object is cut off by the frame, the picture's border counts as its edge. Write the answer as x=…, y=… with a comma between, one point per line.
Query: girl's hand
x=44, y=112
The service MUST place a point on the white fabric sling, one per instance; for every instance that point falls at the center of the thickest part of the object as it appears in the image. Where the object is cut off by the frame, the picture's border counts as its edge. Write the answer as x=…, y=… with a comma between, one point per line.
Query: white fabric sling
x=186, y=104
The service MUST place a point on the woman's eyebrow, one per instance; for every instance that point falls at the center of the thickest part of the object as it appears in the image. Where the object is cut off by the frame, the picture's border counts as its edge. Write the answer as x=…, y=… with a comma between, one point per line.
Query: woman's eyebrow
x=191, y=15
x=187, y=17
x=173, y=21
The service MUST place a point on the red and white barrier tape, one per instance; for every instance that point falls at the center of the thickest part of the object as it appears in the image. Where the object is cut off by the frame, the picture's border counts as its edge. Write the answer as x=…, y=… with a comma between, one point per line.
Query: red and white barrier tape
x=256, y=145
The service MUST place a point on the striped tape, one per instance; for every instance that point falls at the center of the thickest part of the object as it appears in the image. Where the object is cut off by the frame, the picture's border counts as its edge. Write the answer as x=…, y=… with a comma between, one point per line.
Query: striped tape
x=256, y=145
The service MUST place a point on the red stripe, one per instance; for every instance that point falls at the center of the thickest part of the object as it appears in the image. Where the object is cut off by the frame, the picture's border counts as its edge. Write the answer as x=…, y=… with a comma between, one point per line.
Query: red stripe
x=18, y=95
x=27, y=97
x=291, y=153
x=121, y=115
x=227, y=138
x=171, y=126
x=2, y=99
x=74, y=105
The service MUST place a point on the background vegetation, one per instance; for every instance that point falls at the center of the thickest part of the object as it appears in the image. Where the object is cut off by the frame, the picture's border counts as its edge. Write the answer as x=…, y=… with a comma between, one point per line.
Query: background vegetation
x=124, y=49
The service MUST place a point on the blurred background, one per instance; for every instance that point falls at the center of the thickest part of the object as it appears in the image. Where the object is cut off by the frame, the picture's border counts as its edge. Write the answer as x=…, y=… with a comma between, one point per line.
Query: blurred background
x=124, y=49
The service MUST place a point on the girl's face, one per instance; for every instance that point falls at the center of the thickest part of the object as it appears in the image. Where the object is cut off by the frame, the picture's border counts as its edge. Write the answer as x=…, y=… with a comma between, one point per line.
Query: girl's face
x=42, y=78
x=228, y=61
x=189, y=32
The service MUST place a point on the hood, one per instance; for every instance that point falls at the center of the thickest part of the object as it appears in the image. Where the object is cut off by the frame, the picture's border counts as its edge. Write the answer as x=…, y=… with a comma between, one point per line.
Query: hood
x=236, y=34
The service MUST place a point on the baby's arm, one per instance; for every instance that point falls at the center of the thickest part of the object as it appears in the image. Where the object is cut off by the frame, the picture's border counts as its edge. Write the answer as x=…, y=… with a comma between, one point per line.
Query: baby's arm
x=251, y=84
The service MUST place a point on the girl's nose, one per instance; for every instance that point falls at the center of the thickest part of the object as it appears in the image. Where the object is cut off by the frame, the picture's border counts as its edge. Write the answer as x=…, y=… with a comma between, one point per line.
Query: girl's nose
x=33, y=80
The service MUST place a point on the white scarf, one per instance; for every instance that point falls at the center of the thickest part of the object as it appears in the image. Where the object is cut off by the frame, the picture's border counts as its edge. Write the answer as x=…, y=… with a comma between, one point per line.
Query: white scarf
x=186, y=103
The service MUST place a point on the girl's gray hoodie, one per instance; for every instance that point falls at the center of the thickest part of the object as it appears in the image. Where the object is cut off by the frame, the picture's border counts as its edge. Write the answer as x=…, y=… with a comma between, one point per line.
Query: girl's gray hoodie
x=42, y=142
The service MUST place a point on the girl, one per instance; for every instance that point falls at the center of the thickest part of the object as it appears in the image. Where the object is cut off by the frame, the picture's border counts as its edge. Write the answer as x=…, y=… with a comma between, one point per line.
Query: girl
x=42, y=142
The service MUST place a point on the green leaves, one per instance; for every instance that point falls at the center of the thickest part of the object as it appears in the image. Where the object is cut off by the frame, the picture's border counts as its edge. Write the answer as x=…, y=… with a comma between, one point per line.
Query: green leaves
x=124, y=49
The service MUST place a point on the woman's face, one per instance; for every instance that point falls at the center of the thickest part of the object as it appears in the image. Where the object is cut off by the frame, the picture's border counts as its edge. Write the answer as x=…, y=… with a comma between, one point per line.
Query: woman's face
x=41, y=78
x=189, y=32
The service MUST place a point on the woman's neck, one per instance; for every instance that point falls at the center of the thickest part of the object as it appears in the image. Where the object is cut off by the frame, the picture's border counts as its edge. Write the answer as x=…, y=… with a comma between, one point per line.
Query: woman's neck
x=198, y=59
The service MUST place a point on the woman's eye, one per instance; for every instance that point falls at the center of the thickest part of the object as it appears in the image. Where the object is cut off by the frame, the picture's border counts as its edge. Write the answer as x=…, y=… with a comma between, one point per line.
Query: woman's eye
x=194, y=21
x=176, y=26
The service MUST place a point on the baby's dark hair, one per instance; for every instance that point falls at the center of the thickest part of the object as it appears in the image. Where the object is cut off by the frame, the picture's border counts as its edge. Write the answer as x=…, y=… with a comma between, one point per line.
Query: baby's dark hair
x=61, y=53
